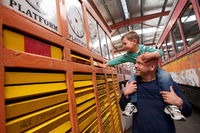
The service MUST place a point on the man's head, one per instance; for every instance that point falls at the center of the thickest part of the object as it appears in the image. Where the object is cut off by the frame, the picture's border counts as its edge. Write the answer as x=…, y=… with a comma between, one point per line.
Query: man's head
x=130, y=41
x=145, y=68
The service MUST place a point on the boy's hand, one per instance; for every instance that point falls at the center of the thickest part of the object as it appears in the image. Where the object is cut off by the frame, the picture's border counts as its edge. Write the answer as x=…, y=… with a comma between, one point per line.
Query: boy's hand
x=148, y=56
x=104, y=66
x=130, y=88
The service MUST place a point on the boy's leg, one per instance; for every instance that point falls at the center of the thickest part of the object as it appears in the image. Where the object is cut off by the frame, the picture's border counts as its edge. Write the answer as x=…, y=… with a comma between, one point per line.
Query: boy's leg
x=165, y=81
x=130, y=107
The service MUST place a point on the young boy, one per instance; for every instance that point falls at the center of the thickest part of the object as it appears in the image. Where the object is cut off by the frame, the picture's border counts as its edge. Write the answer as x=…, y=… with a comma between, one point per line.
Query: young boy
x=130, y=42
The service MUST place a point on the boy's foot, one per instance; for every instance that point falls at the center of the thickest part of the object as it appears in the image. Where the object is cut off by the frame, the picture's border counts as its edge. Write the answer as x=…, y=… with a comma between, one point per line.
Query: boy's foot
x=174, y=112
x=129, y=109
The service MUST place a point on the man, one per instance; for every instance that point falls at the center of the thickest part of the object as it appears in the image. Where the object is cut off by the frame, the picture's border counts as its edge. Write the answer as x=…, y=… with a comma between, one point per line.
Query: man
x=151, y=100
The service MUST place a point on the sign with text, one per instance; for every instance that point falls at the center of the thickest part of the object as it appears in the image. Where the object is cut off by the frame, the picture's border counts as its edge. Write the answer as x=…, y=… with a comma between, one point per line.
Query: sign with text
x=42, y=11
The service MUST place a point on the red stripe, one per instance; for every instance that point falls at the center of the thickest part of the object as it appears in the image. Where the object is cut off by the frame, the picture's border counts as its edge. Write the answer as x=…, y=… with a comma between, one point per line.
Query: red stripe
x=36, y=47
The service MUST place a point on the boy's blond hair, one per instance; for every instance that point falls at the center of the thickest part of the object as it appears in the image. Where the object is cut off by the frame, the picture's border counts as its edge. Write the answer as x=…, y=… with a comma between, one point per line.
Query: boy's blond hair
x=131, y=35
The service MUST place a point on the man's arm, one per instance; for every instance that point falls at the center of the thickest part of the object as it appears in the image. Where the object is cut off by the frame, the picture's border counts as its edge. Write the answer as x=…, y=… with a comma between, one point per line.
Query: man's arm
x=176, y=97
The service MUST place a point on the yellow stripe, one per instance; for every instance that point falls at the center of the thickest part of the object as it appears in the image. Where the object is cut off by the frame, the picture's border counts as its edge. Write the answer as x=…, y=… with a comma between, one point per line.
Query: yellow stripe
x=62, y=128
x=79, y=57
x=78, y=84
x=91, y=127
x=13, y=40
x=30, y=77
x=100, y=77
x=101, y=81
x=109, y=79
x=102, y=86
x=35, y=89
x=84, y=90
x=16, y=109
x=33, y=119
x=82, y=77
x=86, y=114
x=89, y=120
x=58, y=124
x=84, y=98
x=101, y=92
x=86, y=105
x=95, y=130
x=56, y=52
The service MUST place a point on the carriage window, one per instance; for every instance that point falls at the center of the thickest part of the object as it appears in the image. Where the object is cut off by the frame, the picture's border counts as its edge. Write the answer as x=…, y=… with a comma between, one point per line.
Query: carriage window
x=170, y=47
x=178, y=41
x=190, y=25
x=165, y=56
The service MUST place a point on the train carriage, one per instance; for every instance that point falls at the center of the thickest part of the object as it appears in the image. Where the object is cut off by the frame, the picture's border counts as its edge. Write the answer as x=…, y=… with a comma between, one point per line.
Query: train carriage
x=180, y=42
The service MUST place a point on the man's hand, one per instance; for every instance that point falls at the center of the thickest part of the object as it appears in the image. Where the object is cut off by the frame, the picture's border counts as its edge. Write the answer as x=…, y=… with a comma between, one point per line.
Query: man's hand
x=148, y=56
x=130, y=88
x=171, y=97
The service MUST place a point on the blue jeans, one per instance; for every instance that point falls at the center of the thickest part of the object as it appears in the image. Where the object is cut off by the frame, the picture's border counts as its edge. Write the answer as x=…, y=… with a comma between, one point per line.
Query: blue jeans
x=164, y=81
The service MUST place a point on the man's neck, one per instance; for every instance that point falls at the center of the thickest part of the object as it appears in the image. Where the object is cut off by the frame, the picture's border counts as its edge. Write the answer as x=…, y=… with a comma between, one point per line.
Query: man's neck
x=149, y=77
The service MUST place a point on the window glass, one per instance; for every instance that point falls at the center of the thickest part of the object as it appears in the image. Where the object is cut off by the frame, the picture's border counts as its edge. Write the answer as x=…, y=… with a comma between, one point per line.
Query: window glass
x=165, y=56
x=178, y=41
x=170, y=47
x=190, y=25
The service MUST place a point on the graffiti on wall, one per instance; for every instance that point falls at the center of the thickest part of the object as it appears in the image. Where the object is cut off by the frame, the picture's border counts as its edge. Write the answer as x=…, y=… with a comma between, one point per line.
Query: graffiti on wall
x=187, y=77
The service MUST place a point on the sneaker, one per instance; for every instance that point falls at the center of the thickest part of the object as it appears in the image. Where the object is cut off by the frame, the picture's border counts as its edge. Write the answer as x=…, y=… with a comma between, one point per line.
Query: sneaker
x=129, y=109
x=174, y=112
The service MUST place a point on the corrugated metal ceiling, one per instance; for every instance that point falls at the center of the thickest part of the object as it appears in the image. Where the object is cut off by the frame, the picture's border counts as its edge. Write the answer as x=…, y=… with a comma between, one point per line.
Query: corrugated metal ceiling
x=112, y=12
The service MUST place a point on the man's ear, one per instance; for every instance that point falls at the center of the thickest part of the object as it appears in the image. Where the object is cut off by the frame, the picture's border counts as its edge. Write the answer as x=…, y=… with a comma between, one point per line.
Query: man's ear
x=152, y=68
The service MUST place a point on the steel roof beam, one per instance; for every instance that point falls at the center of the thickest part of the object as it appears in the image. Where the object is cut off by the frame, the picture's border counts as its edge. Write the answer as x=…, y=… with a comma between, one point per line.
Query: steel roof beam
x=136, y=20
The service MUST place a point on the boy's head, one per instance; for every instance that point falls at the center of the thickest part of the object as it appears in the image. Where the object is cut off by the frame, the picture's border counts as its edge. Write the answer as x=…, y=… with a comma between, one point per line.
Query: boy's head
x=130, y=41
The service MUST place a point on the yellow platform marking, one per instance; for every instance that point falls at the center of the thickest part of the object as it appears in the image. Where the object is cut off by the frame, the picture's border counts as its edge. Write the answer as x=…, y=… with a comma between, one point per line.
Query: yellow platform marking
x=31, y=77
x=79, y=57
x=13, y=40
x=62, y=128
x=82, y=77
x=56, y=52
x=33, y=119
x=86, y=122
x=29, y=90
x=78, y=84
x=86, y=105
x=16, y=109
x=59, y=124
